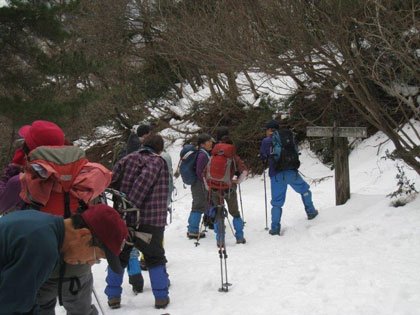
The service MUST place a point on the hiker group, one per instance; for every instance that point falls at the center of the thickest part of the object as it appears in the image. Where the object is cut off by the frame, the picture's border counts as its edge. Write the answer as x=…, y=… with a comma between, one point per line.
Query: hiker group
x=64, y=224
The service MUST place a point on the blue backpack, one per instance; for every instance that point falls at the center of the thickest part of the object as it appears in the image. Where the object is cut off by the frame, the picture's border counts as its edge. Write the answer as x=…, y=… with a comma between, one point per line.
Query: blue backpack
x=187, y=164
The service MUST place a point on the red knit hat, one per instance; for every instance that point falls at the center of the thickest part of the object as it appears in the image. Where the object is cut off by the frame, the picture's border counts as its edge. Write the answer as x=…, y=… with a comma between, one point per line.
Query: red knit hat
x=106, y=224
x=42, y=132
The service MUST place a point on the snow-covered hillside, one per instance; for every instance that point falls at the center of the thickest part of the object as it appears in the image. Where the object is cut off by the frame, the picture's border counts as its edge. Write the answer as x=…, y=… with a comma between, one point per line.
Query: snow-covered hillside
x=359, y=258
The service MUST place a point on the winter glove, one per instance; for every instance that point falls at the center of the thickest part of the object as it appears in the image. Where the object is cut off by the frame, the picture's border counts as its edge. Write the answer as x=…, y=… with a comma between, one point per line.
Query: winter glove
x=125, y=253
x=19, y=158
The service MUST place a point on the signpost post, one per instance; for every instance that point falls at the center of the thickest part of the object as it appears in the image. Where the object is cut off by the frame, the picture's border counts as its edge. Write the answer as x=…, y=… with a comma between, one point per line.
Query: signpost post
x=341, y=156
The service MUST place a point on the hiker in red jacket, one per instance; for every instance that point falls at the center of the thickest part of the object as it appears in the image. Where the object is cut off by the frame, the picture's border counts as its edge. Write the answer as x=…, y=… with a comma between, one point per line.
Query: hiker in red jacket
x=77, y=282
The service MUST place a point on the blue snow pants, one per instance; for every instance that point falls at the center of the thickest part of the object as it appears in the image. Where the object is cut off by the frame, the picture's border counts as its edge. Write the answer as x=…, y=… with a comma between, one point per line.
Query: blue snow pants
x=279, y=184
x=114, y=280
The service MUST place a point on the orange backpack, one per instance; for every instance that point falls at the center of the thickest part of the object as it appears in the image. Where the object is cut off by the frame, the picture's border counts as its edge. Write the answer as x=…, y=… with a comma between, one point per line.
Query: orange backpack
x=221, y=166
x=58, y=179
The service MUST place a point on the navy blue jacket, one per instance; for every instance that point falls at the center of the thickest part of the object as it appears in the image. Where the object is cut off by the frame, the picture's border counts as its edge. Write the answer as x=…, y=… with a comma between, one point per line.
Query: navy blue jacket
x=30, y=243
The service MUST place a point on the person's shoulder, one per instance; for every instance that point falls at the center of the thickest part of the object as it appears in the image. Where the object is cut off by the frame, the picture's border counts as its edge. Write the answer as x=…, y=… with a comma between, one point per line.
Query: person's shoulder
x=267, y=140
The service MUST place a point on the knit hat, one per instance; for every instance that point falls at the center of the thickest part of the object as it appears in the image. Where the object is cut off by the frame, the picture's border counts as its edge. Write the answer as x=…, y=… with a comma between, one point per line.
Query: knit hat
x=204, y=137
x=143, y=129
x=42, y=132
x=106, y=224
x=271, y=124
x=221, y=132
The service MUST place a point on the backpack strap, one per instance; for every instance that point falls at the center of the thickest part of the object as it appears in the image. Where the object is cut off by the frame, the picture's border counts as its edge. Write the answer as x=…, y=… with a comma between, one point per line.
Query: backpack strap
x=67, y=213
x=205, y=152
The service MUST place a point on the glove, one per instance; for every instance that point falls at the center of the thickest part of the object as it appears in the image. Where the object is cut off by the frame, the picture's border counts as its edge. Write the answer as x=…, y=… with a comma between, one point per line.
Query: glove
x=125, y=255
x=19, y=158
x=126, y=251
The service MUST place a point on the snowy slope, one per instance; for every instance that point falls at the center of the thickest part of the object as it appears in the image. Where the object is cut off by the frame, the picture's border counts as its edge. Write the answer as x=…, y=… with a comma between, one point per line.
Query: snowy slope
x=359, y=258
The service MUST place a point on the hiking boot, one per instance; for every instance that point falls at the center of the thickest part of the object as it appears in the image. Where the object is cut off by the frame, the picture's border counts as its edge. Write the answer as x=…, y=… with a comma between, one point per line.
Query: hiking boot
x=220, y=244
x=313, y=215
x=240, y=241
x=114, y=302
x=271, y=232
x=195, y=236
x=162, y=303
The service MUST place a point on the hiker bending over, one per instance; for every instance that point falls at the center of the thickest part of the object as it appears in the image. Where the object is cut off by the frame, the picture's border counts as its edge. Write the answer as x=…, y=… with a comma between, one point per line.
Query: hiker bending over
x=37, y=188
x=32, y=243
x=280, y=150
x=143, y=176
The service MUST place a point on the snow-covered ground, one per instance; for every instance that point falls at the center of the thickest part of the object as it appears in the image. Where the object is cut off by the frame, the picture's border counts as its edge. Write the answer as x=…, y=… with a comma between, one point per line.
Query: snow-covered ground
x=359, y=258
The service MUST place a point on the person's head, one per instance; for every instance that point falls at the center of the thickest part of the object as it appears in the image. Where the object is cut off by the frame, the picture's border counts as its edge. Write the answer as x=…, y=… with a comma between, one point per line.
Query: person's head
x=154, y=142
x=143, y=131
x=270, y=127
x=221, y=132
x=205, y=141
x=98, y=232
x=40, y=133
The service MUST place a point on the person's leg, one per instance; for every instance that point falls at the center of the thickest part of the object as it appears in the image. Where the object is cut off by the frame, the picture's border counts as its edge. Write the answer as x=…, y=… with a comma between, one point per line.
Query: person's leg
x=199, y=205
x=77, y=295
x=278, y=197
x=113, y=288
x=218, y=203
x=301, y=187
x=135, y=278
x=154, y=255
x=47, y=297
x=238, y=224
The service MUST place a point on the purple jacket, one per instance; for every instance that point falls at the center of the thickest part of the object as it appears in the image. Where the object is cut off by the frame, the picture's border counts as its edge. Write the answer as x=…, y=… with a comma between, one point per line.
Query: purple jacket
x=265, y=153
x=202, y=160
x=9, y=189
x=143, y=176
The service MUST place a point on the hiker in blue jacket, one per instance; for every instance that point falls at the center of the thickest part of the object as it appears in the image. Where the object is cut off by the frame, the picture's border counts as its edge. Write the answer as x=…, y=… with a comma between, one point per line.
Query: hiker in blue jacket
x=32, y=243
x=200, y=198
x=283, y=175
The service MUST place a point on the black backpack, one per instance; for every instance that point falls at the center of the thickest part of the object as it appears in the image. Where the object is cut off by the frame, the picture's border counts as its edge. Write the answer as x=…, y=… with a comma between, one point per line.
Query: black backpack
x=288, y=159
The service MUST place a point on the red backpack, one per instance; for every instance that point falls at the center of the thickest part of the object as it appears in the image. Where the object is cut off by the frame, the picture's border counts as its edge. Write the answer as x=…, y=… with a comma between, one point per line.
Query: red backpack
x=221, y=166
x=57, y=178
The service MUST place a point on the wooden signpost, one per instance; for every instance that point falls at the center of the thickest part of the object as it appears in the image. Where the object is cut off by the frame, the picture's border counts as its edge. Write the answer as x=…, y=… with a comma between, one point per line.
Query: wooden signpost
x=341, y=156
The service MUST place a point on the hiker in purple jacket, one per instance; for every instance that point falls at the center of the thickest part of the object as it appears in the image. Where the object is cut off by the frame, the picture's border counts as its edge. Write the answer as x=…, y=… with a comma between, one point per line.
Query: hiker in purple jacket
x=10, y=184
x=200, y=196
x=143, y=176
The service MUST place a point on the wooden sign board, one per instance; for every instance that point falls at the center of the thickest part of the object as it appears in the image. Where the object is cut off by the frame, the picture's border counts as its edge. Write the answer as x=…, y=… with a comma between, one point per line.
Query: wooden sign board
x=342, y=132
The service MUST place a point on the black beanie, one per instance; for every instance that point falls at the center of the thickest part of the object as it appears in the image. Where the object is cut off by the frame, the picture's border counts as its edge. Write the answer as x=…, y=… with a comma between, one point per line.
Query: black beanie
x=202, y=138
x=143, y=129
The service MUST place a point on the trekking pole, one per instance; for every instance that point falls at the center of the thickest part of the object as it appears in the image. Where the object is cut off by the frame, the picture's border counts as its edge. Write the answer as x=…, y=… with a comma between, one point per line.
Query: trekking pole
x=199, y=233
x=242, y=208
x=265, y=194
x=222, y=252
x=97, y=301
x=230, y=225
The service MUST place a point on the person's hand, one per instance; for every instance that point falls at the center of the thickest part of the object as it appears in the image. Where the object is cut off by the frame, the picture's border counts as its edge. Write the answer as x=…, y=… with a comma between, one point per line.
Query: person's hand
x=19, y=159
